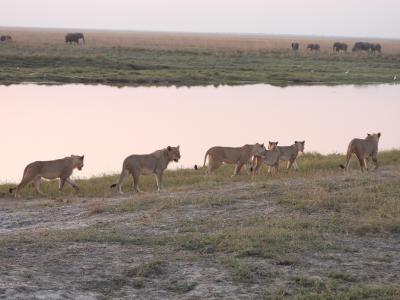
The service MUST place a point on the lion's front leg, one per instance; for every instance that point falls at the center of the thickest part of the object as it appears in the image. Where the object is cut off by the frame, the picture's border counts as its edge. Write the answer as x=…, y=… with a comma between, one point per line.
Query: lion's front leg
x=238, y=167
x=375, y=160
x=61, y=184
x=36, y=182
x=259, y=160
x=159, y=177
x=72, y=183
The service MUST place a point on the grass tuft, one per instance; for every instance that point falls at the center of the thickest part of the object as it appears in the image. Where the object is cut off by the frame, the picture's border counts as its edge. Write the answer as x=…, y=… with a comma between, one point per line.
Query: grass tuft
x=149, y=269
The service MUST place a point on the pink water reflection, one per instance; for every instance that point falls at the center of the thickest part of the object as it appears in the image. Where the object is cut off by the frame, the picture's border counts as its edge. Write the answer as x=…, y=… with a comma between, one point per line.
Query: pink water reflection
x=107, y=124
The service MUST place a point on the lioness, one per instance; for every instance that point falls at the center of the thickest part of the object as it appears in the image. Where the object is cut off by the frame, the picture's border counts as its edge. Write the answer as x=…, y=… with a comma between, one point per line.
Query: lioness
x=145, y=164
x=290, y=153
x=363, y=149
x=52, y=169
x=269, y=157
x=231, y=155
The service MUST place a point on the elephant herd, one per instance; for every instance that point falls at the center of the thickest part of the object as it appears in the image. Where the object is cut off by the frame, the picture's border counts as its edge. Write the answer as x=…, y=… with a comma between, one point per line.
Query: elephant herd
x=365, y=46
x=338, y=47
x=75, y=37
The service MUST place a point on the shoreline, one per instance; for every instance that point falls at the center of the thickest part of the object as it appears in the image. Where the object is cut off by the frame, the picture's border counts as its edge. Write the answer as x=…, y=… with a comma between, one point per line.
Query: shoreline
x=168, y=59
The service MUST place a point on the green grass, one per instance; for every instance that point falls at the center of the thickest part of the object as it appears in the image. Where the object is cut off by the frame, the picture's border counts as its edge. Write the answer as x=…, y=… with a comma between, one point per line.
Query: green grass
x=152, y=268
x=61, y=64
x=244, y=272
x=332, y=288
x=258, y=237
x=180, y=287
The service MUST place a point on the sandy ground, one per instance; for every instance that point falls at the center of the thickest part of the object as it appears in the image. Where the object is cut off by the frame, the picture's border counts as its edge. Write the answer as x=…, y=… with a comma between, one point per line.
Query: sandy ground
x=100, y=269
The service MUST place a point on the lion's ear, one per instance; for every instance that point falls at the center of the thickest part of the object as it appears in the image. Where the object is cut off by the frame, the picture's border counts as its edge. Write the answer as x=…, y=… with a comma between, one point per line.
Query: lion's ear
x=82, y=157
x=369, y=134
x=303, y=142
x=379, y=134
x=295, y=142
x=178, y=147
x=169, y=148
x=277, y=143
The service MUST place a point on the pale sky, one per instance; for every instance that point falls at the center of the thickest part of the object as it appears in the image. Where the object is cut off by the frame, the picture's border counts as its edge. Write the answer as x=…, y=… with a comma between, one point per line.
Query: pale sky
x=358, y=18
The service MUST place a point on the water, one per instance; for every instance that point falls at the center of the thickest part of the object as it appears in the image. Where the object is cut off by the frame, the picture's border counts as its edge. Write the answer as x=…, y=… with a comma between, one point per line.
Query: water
x=107, y=123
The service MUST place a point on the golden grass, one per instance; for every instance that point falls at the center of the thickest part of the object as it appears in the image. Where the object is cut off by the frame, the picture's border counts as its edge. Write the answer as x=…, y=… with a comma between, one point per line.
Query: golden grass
x=186, y=41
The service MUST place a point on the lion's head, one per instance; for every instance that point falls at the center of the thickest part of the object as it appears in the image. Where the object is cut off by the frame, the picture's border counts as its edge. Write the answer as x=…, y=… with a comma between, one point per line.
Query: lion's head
x=374, y=136
x=258, y=149
x=300, y=145
x=272, y=145
x=173, y=153
x=77, y=161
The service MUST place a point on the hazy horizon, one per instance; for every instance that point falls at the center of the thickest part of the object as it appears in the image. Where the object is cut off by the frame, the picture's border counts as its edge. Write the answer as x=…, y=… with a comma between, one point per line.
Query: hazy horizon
x=255, y=34
x=253, y=17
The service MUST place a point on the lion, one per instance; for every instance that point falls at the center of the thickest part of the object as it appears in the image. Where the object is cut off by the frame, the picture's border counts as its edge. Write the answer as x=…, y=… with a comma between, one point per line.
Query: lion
x=231, y=155
x=52, y=169
x=269, y=157
x=290, y=153
x=146, y=164
x=363, y=149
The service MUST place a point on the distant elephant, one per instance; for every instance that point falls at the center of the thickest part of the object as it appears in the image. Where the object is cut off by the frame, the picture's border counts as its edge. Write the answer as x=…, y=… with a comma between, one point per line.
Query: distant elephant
x=361, y=46
x=5, y=38
x=295, y=46
x=74, y=38
x=376, y=48
x=314, y=47
x=340, y=47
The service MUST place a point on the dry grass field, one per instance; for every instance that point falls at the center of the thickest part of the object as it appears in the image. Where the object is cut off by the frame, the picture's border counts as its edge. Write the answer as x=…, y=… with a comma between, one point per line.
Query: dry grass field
x=189, y=41
x=313, y=234
x=151, y=58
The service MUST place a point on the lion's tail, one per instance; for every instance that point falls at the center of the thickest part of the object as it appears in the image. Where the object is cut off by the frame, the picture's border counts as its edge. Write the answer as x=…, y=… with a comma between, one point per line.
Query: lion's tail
x=348, y=156
x=205, y=159
x=113, y=185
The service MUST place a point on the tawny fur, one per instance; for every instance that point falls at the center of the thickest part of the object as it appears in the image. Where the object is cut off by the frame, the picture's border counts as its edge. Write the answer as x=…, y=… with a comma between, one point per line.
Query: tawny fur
x=269, y=157
x=364, y=149
x=52, y=169
x=238, y=156
x=145, y=164
x=290, y=153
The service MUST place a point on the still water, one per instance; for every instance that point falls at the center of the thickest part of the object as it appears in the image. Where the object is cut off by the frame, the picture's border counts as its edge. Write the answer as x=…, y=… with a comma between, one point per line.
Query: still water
x=108, y=123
